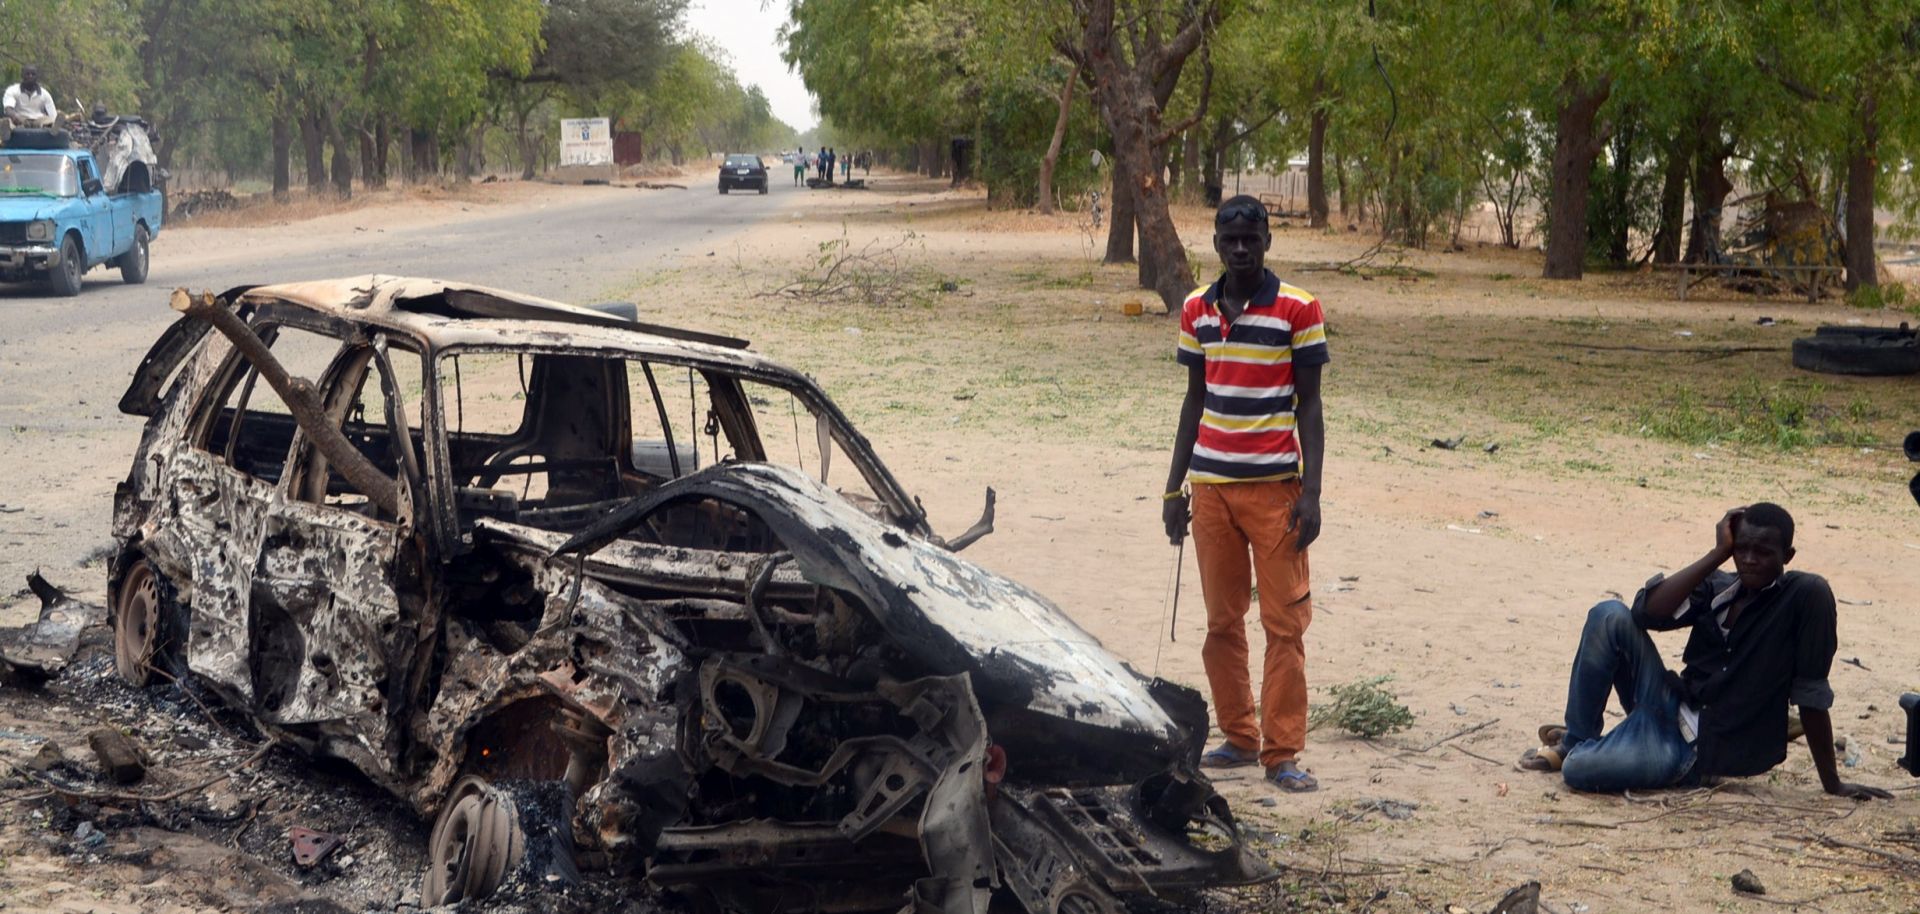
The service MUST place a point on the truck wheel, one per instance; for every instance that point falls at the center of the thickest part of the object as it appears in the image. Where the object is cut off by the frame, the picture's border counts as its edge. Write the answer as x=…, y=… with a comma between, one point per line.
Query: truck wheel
x=66, y=276
x=133, y=264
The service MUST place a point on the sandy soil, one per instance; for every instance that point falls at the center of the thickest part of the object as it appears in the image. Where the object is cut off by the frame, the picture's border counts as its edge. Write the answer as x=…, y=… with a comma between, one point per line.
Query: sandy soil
x=1003, y=358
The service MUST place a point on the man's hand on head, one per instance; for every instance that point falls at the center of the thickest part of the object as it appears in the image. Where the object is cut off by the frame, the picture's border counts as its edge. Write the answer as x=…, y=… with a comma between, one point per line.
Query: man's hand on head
x=1859, y=792
x=1305, y=522
x=1723, y=531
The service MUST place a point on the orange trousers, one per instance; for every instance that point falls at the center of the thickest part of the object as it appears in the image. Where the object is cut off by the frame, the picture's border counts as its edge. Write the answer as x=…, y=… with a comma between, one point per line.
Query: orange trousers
x=1232, y=523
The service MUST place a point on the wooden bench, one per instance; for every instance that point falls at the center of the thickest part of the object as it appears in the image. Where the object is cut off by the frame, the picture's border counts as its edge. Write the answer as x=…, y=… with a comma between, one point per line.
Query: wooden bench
x=1816, y=276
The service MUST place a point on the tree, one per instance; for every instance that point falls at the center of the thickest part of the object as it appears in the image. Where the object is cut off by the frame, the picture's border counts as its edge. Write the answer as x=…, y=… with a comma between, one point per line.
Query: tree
x=1136, y=64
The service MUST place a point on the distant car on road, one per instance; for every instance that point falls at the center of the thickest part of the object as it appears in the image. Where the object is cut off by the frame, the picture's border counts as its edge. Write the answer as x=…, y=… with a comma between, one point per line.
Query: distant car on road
x=744, y=171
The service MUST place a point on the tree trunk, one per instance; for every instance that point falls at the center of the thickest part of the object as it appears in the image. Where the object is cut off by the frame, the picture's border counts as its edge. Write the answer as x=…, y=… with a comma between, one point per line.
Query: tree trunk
x=342, y=160
x=1710, y=190
x=364, y=138
x=382, y=140
x=1120, y=229
x=1863, y=171
x=1316, y=160
x=1147, y=274
x=1131, y=120
x=1059, y=137
x=313, y=143
x=1575, y=146
x=282, y=156
x=1191, y=166
x=1673, y=204
x=1215, y=153
x=1340, y=183
x=425, y=155
x=1620, y=221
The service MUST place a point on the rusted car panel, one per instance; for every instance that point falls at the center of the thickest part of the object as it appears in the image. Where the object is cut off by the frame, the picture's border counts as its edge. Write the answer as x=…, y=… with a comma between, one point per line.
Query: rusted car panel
x=731, y=679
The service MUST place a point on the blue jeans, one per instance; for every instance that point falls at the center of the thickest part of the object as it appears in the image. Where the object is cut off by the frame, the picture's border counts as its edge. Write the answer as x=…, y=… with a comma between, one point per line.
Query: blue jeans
x=1646, y=751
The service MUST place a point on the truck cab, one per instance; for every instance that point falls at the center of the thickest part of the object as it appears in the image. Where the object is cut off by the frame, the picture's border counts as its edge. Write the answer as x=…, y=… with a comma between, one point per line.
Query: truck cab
x=61, y=215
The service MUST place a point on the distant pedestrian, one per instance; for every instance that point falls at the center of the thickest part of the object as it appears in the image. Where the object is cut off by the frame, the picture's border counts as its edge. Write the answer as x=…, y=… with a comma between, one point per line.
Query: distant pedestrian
x=832, y=157
x=846, y=168
x=800, y=166
x=866, y=163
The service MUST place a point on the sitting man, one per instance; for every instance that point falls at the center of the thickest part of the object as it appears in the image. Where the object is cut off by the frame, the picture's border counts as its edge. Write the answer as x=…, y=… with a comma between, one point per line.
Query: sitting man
x=1761, y=637
x=27, y=103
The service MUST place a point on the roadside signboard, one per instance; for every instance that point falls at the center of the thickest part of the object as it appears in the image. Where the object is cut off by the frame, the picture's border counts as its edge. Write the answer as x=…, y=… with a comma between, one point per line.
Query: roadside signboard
x=586, y=141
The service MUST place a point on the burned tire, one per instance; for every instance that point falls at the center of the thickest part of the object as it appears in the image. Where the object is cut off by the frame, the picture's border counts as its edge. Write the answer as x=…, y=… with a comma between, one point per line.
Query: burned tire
x=1890, y=353
x=149, y=627
x=491, y=836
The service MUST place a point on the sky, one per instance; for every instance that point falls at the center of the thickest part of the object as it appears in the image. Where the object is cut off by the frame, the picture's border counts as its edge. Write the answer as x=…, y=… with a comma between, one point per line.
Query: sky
x=749, y=31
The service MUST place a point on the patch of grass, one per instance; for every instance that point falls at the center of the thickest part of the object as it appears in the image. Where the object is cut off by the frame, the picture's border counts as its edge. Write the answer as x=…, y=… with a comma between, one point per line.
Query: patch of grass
x=1891, y=295
x=1501, y=277
x=1785, y=416
x=1588, y=466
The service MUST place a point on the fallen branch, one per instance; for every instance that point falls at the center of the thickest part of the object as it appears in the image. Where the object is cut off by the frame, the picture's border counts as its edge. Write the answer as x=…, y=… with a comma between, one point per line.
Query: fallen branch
x=1457, y=734
x=169, y=796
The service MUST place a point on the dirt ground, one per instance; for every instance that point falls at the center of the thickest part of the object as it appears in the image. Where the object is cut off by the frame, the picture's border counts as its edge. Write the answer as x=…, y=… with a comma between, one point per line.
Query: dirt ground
x=1603, y=428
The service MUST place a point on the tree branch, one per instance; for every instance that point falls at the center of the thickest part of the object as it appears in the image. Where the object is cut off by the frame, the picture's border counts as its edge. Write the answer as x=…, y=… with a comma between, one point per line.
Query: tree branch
x=1200, y=110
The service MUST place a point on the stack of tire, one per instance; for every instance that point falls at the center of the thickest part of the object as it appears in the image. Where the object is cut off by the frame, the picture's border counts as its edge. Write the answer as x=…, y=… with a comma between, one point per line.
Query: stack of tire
x=1859, y=351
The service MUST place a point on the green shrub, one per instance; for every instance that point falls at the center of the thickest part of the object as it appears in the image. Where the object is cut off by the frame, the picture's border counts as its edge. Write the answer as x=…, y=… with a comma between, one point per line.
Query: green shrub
x=1363, y=708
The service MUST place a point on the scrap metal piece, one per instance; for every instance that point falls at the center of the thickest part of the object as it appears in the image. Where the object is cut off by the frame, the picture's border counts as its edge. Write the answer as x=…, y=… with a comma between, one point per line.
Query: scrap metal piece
x=311, y=846
x=45, y=647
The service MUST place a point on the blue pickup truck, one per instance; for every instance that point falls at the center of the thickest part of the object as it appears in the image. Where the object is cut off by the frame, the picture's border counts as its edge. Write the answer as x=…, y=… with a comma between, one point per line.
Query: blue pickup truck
x=67, y=206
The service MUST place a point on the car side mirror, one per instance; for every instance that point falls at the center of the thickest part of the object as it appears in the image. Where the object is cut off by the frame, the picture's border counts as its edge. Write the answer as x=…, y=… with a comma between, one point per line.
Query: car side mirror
x=91, y=186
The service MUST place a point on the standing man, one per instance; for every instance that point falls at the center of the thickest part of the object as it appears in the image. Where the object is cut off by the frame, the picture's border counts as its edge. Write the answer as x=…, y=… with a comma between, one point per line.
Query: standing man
x=800, y=166
x=1249, y=445
x=27, y=104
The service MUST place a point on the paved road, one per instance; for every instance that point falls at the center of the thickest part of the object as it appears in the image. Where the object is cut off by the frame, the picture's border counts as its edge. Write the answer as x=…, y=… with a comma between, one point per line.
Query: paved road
x=65, y=361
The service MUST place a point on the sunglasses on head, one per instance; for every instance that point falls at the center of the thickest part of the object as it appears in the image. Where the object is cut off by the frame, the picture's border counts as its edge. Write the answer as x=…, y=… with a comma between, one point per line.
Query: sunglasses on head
x=1251, y=212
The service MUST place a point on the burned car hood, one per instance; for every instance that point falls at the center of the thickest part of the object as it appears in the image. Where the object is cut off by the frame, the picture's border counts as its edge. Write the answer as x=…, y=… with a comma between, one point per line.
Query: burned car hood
x=940, y=609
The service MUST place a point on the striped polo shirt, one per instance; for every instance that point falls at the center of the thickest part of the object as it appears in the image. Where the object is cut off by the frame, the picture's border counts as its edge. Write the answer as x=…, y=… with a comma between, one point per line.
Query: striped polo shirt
x=1246, y=431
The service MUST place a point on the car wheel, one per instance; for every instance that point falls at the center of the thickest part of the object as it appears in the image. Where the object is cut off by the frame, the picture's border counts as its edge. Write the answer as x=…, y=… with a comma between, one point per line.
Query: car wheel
x=66, y=276
x=476, y=841
x=723, y=188
x=763, y=187
x=490, y=834
x=133, y=264
x=142, y=633
x=1888, y=354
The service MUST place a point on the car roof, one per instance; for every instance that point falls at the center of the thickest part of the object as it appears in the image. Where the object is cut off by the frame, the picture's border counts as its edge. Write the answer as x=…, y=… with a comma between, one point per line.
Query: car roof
x=451, y=315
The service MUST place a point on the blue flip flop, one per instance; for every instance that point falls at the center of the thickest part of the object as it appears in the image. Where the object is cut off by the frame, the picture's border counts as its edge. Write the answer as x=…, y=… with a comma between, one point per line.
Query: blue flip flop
x=1293, y=781
x=1228, y=755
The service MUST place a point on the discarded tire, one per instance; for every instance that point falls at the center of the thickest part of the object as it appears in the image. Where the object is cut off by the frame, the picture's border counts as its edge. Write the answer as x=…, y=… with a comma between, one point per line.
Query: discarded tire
x=1886, y=353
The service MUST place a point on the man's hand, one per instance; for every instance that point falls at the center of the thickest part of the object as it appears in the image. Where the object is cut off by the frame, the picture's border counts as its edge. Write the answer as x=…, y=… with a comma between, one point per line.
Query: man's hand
x=1723, y=531
x=1859, y=792
x=1305, y=522
x=1175, y=514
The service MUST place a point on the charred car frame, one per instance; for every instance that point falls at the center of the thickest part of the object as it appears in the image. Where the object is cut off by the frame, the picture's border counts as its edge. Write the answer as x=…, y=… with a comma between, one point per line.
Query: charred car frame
x=472, y=550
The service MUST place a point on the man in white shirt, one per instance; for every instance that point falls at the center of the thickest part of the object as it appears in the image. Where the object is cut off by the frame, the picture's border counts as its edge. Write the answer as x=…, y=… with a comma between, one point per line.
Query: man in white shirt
x=27, y=103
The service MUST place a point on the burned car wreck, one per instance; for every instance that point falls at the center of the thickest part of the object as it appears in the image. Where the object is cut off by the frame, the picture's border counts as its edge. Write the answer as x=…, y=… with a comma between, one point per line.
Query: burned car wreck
x=473, y=544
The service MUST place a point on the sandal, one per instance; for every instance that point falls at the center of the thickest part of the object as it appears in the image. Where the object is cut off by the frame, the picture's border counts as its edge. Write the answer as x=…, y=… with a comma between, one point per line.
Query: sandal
x=1542, y=759
x=1552, y=734
x=1228, y=755
x=1292, y=780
